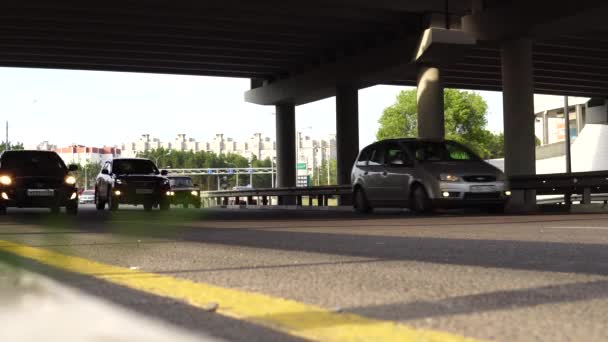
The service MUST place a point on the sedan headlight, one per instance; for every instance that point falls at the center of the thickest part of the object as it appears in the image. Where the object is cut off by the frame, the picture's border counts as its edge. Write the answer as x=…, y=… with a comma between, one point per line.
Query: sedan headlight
x=446, y=177
x=194, y=193
x=5, y=180
x=70, y=180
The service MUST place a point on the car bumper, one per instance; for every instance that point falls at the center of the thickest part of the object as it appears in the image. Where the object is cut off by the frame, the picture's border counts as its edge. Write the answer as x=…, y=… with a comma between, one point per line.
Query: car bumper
x=130, y=196
x=183, y=197
x=464, y=194
x=19, y=198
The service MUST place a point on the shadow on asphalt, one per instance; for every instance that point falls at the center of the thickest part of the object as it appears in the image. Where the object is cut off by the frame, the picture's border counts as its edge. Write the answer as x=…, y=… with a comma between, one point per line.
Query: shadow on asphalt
x=165, y=309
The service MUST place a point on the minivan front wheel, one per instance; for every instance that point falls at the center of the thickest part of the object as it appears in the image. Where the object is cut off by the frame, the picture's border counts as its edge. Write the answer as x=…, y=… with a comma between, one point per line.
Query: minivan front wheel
x=421, y=204
x=360, y=203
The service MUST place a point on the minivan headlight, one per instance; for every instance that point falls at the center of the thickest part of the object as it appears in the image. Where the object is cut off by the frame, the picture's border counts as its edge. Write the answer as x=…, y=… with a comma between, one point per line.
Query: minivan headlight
x=5, y=180
x=446, y=177
x=70, y=180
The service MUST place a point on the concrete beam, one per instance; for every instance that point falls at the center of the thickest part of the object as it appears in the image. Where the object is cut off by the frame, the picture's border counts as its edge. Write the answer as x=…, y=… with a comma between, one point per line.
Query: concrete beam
x=523, y=18
x=361, y=70
x=439, y=46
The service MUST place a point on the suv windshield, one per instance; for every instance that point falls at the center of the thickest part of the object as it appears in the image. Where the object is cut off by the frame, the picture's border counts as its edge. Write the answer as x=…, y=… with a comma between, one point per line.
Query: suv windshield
x=33, y=163
x=180, y=182
x=443, y=151
x=133, y=166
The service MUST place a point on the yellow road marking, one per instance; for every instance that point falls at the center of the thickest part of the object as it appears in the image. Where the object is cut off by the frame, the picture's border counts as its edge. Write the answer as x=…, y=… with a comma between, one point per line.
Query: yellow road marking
x=287, y=316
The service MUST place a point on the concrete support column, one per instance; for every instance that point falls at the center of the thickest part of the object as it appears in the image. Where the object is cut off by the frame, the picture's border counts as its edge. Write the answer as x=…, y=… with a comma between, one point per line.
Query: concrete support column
x=347, y=134
x=429, y=95
x=518, y=108
x=286, y=147
x=545, y=128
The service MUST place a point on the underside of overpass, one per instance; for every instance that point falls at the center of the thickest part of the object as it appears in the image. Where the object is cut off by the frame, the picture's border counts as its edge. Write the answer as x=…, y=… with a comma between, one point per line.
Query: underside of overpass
x=297, y=51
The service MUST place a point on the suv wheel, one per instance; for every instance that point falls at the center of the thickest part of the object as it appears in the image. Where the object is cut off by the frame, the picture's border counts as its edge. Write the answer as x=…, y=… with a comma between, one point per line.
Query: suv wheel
x=421, y=204
x=72, y=208
x=164, y=205
x=2, y=210
x=112, y=203
x=99, y=204
x=360, y=203
x=148, y=206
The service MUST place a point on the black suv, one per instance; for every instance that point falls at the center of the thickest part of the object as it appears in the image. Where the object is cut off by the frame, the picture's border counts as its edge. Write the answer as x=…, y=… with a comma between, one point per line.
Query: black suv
x=37, y=179
x=132, y=181
x=184, y=191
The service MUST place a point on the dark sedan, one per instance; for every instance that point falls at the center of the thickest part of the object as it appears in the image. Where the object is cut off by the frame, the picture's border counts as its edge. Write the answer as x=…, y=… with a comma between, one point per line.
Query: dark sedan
x=132, y=181
x=184, y=191
x=37, y=179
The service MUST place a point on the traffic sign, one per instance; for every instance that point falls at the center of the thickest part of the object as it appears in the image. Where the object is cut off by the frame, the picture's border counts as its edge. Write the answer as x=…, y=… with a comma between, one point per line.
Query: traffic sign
x=301, y=166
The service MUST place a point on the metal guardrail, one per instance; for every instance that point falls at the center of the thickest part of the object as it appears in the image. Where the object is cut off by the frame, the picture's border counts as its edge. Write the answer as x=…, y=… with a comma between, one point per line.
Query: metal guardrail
x=227, y=171
x=585, y=184
x=322, y=193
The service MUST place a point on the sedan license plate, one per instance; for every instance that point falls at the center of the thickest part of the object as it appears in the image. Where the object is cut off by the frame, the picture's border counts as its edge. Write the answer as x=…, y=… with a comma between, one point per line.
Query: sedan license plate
x=483, y=188
x=40, y=192
x=143, y=191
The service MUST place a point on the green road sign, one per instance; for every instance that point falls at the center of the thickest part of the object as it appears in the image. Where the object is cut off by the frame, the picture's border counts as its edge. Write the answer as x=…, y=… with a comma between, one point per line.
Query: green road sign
x=301, y=166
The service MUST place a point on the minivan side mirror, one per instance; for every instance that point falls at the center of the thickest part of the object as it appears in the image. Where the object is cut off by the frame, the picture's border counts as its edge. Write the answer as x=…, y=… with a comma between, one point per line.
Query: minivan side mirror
x=105, y=172
x=164, y=172
x=73, y=167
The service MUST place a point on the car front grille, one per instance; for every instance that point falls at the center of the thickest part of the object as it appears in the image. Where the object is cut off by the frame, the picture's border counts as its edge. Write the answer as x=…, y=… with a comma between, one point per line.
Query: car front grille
x=479, y=179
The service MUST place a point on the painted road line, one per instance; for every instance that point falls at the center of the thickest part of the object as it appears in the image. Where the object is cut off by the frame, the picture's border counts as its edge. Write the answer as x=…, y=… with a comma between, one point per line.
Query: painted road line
x=596, y=228
x=287, y=316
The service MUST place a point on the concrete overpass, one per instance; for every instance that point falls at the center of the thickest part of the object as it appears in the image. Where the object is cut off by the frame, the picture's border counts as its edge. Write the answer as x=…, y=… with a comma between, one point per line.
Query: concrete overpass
x=299, y=51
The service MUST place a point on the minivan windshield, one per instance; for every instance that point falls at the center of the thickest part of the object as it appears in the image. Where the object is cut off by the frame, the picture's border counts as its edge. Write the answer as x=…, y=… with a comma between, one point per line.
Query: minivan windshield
x=181, y=182
x=133, y=166
x=33, y=163
x=442, y=151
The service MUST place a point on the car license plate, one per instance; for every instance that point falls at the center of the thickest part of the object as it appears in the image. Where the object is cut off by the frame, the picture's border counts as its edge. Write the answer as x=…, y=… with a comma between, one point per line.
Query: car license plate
x=143, y=191
x=40, y=192
x=483, y=188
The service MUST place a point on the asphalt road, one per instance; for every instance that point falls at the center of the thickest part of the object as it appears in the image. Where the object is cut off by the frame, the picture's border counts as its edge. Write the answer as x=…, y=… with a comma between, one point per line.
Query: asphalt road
x=507, y=278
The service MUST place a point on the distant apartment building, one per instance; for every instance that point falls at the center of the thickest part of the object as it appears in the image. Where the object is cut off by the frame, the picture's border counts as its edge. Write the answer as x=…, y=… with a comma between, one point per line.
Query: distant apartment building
x=82, y=155
x=311, y=152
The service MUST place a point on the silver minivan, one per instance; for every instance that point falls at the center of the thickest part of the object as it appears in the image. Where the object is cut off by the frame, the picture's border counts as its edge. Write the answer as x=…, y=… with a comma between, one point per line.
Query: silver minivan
x=425, y=174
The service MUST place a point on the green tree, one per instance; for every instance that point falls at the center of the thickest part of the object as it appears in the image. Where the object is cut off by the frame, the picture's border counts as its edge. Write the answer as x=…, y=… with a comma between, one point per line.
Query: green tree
x=465, y=121
x=320, y=174
x=13, y=146
x=86, y=175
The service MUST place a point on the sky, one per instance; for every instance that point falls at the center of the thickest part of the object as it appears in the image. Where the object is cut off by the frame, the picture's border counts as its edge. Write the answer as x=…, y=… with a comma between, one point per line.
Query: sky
x=96, y=108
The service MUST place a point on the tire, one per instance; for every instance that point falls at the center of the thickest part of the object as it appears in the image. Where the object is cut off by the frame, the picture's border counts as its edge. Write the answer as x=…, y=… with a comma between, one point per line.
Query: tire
x=55, y=209
x=185, y=205
x=112, y=204
x=421, y=204
x=99, y=204
x=197, y=205
x=360, y=202
x=2, y=210
x=72, y=209
x=165, y=205
x=148, y=206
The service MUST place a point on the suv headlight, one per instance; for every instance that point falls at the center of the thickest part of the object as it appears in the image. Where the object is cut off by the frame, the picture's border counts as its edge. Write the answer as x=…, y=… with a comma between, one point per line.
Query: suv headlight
x=5, y=180
x=194, y=193
x=447, y=177
x=70, y=180
x=120, y=181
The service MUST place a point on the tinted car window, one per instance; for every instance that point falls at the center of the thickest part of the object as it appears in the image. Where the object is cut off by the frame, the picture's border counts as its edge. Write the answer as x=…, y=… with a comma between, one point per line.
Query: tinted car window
x=442, y=151
x=33, y=163
x=376, y=157
x=133, y=166
x=395, y=155
x=180, y=182
x=363, y=157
